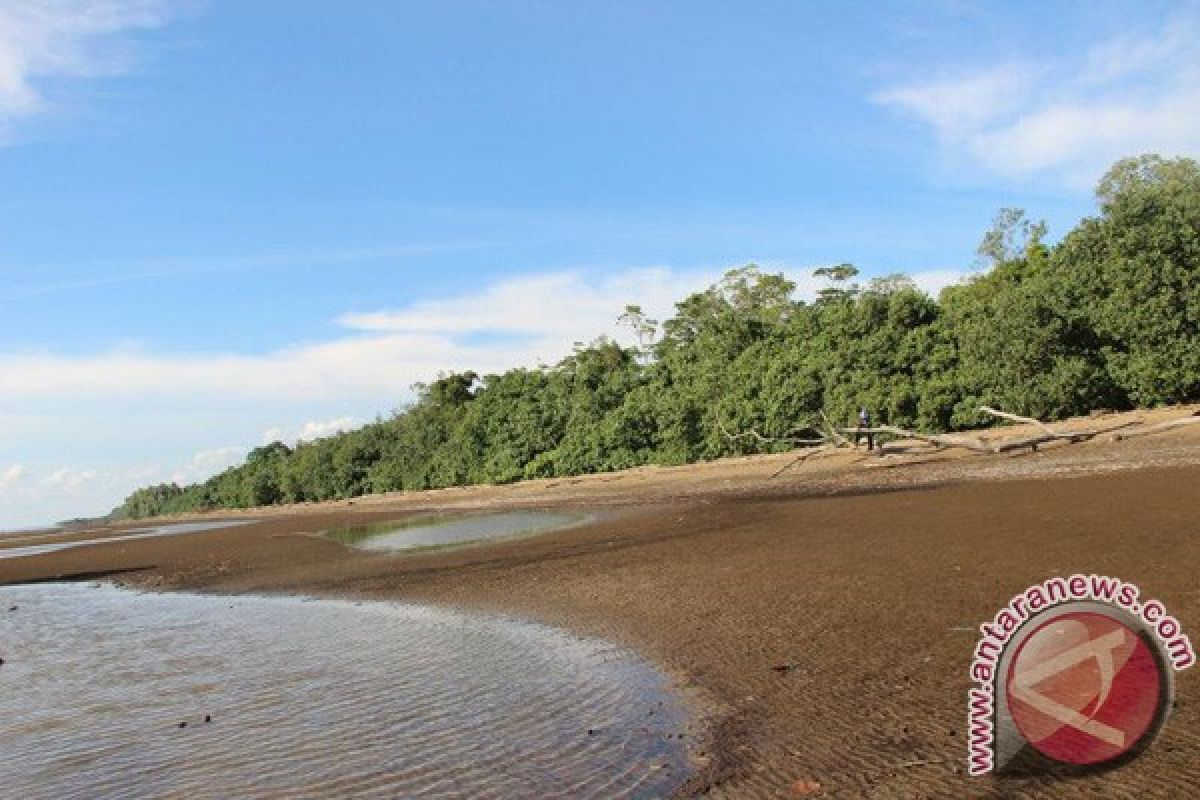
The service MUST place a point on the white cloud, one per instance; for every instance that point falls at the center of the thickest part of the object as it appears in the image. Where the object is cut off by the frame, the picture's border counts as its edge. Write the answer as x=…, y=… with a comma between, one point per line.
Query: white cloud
x=43, y=39
x=274, y=435
x=319, y=429
x=70, y=479
x=958, y=106
x=562, y=304
x=11, y=476
x=207, y=463
x=313, y=429
x=933, y=281
x=1068, y=119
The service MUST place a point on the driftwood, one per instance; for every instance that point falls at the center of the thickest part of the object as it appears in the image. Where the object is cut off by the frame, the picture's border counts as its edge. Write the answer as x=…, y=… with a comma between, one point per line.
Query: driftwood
x=1068, y=436
x=1015, y=417
x=1048, y=434
x=940, y=440
x=1158, y=427
x=810, y=447
x=750, y=433
x=832, y=432
x=833, y=438
x=800, y=459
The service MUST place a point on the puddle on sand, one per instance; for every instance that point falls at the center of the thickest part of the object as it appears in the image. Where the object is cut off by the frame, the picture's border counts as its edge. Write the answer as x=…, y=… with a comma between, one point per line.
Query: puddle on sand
x=46, y=542
x=317, y=698
x=455, y=529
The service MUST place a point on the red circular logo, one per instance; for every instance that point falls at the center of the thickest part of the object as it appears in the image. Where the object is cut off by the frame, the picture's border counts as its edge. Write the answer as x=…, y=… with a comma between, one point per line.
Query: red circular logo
x=1085, y=688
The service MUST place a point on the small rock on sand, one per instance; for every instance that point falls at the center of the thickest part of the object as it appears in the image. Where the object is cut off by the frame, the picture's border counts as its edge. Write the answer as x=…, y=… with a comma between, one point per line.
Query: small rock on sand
x=805, y=788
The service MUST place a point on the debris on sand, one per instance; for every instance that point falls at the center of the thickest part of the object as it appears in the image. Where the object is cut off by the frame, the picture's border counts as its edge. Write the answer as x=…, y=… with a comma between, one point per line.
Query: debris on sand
x=805, y=788
x=183, y=724
x=12, y=608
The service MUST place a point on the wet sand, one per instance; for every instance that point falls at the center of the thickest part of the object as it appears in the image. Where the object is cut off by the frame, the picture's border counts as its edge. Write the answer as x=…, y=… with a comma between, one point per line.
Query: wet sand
x=865, y=578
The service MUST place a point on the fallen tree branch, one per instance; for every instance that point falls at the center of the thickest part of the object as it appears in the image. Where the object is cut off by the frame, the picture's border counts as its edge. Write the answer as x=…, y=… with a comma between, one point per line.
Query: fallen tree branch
x=800, y=459
x=898, y=448
x=1069, y=436
x=1015, y=418
x=753, y=434
x=833, y=438
x=941, y=440
x=1158, y=427
x=832, y=432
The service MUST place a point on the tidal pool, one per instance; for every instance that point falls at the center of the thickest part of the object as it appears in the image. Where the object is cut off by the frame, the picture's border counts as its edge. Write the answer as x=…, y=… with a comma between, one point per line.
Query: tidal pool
x=47, y=542
x=317, y=698
x=455, y=529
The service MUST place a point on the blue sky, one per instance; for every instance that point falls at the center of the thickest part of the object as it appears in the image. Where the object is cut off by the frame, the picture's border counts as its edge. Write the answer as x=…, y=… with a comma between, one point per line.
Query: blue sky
x=225, y=221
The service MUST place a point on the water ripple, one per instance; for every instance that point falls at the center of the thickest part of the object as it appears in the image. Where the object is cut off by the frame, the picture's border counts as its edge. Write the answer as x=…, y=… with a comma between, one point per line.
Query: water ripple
x=317, y=699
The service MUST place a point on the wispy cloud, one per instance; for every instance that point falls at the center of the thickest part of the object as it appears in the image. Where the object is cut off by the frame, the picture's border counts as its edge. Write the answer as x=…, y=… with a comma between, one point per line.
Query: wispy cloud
x=69, y=479
x=206, y=463
x=958, y=106
x=567, y=304
x=1066, y=119
x=311, y=430
x=48, y=39
x=10, y=476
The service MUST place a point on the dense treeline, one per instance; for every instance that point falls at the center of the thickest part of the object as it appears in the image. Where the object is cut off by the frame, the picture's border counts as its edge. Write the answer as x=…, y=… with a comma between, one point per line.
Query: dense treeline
x=1108, y=317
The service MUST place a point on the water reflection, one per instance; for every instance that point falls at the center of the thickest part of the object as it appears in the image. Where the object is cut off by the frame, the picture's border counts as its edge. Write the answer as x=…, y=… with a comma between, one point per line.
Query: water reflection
x=456, y=529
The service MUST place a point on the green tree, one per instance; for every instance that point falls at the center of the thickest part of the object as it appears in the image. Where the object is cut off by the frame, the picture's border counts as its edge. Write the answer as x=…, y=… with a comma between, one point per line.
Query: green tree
x=1132, y=275
x=839, y=277
x=1011, y=237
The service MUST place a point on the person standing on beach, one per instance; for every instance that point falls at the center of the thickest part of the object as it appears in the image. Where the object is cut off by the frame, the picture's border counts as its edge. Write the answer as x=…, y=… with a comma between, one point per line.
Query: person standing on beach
x=864, y=427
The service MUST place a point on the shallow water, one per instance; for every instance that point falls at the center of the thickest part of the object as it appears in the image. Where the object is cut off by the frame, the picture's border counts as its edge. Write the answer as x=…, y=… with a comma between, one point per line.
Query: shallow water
x=317, y=699
x=22, y=533
x=46, y=542
x=457, y=529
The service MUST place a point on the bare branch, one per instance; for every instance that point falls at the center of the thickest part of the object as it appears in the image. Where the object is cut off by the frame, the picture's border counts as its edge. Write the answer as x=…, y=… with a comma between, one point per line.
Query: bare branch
x=1158, y=427
x=804, y=456
x=832, y=432
x=1069, y=436
x=832, y=438
x=938, y=439
x=753, y=434
x=1016, y=418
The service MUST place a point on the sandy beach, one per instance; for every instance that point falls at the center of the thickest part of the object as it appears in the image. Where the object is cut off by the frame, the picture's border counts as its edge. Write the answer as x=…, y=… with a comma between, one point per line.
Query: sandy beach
x=822, y=620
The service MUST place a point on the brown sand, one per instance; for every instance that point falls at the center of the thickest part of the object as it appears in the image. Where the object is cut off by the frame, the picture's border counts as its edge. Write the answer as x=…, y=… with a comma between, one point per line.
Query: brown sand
x=868, y=582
